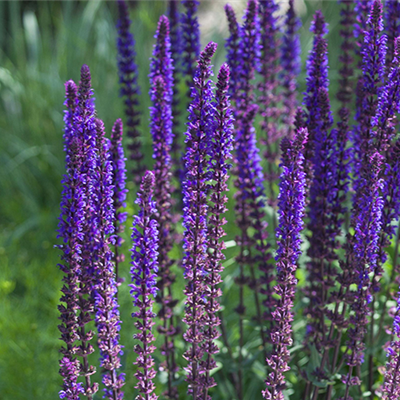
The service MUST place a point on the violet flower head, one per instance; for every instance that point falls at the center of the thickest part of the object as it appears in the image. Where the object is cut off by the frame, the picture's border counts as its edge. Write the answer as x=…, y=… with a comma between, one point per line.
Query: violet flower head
x=232, y=46
x=161, y=76
x=130, y=91
x=105, y=288
x=190, y=38
x=70, y=230
x=195, y=214
x=220, y=154
x=161, y=61
x=317, y=76
x=144, y=273
x=291, y=212
x=391, y=386
x=176, y=55
x=346, y=71
x=250, y=53
x=366, y=220
x=290, y=61
x=388, y=104
x=373, y=67
x=392, y=27
x=85, y=126
x=269, y=95
x=119, y=177
x=361, y=10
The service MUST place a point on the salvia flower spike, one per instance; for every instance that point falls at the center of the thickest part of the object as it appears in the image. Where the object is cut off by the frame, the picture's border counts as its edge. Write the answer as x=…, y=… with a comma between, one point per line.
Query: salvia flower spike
x=118, y=159
x=190, y=39
x=70, y=230
x=220, y=152
x=85, y=124
x=195, y=216
x=105, y=289
x=144, y=273
x=291, y=204
x=290, y=61
x=130, y=91
x=161, y=77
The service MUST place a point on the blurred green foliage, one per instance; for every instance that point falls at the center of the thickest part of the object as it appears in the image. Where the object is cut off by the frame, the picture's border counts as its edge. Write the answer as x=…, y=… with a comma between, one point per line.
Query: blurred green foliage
x=43, y=44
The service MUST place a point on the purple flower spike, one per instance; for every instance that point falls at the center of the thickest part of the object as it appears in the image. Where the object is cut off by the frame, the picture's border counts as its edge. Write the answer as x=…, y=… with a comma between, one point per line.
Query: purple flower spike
x=195, y=187
x=391, y=386
x=176, y=55
x=392, y=27
x=161, y=75
x=118, y=159
x=388, y=105
x=105, y=289
x=70, y=230
x=130, y=91
x=191, y=39
x=220, y=152
x=317, y=77
x=250, y=53
x=85, y=129
x=144, y=274
x=232, y=45
x=373, y=53
x=367, y=221
x=269, y=98
x=291, y=204
x=290, y=61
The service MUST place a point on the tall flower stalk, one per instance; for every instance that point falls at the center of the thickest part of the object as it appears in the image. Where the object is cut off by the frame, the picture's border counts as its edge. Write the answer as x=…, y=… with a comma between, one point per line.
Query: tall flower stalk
x=70, y=230
x=190, y=40
x=291, y=204
x=105, y=288
x=118, y=159
x=290, y=61
x=161, y=93
x=130, y=91
x=85, y=126
x=195, y=217
x=220, y=154
x=144, y=273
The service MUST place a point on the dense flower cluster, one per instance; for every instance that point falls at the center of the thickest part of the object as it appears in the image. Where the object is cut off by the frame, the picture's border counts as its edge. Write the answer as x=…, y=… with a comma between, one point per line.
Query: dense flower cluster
x=307, y=312
x=291, y=204
x=143, y=270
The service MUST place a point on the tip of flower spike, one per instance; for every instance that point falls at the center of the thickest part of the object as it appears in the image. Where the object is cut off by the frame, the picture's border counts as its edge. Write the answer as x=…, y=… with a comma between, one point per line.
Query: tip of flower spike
x=85, y=83
x=117, y=129
x=223, y=76
x=190, y=4
x=148, y=182
x=163, y=27
x=375, y=16
x=251, y=10
x=207, y=53
x=231, y=17
x=318, y=25
x=122, y=8
x=70, y=89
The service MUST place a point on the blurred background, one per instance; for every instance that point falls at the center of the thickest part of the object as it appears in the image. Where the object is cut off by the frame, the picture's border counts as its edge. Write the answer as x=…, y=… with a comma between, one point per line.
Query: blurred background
x=43, y=44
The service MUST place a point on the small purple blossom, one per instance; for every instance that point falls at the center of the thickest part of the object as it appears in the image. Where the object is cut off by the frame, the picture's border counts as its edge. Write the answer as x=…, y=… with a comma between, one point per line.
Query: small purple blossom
x=144, y=273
